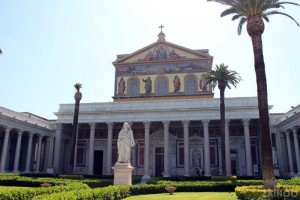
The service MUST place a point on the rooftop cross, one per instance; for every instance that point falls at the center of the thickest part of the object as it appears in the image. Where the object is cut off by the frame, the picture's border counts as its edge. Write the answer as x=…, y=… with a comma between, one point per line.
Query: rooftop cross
x=161, y=27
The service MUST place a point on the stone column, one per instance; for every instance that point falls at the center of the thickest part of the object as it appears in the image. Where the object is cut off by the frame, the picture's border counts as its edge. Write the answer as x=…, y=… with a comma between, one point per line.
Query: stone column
x=146, y=150
x=186, y=148
x=58, y=148
x=50, y=154
x=109, y=147
x=4, y=150
x=206, y=147
x=38, y=162
x=28, y=155
x=166, y=148
x=47, y=157
x=91, y=148
x=289, y=148
x=296, y=141
x=227, y=148
x=247, y=147
x=279, y=149
x=17, y=154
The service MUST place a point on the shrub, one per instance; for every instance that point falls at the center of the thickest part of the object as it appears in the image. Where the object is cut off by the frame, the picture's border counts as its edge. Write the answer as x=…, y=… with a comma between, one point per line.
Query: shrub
x=70, y=176
x=258, y=192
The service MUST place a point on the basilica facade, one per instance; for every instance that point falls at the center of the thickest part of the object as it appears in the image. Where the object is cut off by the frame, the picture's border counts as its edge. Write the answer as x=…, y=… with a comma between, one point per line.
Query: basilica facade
x=175, y=121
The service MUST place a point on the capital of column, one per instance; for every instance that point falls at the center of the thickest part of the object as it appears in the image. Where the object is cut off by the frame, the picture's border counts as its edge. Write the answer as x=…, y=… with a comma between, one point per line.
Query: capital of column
x=20, y=132
x=295, y=129
x=109, y=124
x=227, y=121
x=92, y=125
x=147, y=124
x=30, y=134
x=40, y=136
x=205, y=122
x=7, y=129
x=58, y=126
x=287, y=133
x=246, y=122
x=166, y=123
x=186, y=123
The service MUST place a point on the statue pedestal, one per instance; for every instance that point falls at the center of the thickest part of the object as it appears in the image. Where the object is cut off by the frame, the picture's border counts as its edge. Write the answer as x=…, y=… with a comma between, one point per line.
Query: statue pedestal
x=122, y=174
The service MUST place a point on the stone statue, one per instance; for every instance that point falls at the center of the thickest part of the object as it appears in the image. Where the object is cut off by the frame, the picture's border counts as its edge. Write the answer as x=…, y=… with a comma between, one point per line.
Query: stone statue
x=148, y=85
x=125, y=142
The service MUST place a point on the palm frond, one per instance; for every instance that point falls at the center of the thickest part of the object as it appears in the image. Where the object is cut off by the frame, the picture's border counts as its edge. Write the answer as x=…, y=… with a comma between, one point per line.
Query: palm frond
x=221, y=74
x=236, y=17
x=287, y=2
x=281, y=13
x=228, y=11
x=78, y=86
x=265, y=18
x=240, y=26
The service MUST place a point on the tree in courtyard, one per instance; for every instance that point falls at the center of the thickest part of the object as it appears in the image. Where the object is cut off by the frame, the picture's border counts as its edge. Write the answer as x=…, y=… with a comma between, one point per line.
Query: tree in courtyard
x=222, y=77
x=254, y=12
x=77, y=98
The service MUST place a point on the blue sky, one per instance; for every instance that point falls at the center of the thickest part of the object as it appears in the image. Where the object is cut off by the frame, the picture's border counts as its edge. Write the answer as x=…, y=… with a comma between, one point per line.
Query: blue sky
x=49, y=45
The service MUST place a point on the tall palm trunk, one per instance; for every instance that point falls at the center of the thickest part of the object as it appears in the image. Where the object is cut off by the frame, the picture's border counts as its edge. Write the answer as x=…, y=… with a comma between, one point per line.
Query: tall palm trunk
x=255, y=28
x=77, y=97
x=222, y=86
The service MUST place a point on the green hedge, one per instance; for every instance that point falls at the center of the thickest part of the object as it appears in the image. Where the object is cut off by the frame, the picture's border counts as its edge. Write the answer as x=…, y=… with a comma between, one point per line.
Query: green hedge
x=286, y=192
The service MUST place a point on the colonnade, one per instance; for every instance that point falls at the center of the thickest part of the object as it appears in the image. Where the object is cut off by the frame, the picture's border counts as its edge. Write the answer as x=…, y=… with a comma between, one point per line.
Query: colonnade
x=30, y=154
x=166, y=126
x=292, y=148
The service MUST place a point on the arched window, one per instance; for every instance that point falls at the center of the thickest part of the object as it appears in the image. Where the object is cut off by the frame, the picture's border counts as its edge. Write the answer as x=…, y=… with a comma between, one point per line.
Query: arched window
x=162, y=86
x=133, y=87
x=190, y=84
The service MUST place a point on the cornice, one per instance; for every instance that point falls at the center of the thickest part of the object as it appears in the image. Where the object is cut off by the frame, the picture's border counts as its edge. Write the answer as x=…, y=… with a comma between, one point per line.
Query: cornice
x=23, y=124
x=212, y=109
x=161, y=62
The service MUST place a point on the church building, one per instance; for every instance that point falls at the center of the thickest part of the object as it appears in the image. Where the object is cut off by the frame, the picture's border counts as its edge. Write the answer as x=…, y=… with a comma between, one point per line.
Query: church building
x=175, y=121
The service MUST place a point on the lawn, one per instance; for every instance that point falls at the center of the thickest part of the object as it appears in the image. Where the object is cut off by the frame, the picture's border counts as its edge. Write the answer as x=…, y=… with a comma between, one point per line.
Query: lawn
x=188, y=195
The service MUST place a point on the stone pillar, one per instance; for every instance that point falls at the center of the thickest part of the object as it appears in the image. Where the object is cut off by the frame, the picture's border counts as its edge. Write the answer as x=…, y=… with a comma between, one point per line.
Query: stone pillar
x=58, y=148
x=50, y=154
x=17, y=154
x=46, y=154
x=289, y=148
x=4, y=150
x=28, y=155
x=38, y=162
x=227, y=148
x=166, y=148
x=206, y=147
x=279, y=149
x=186, y=148
x=296, y=141
x=91, y=148
x=247, y=147
x=109, y=147
x=146, y=151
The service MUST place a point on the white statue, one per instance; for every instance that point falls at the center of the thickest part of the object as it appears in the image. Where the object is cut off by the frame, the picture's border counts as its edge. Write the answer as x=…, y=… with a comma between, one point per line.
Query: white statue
x=125, y=142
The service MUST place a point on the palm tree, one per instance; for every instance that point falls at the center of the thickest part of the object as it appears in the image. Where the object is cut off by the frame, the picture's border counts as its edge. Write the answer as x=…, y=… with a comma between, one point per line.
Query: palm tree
x=77, y=98
x=253, y=12
x=222, y=77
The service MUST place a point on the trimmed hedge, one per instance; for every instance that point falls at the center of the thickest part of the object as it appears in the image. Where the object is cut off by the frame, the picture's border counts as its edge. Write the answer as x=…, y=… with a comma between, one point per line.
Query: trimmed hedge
x=286, y=192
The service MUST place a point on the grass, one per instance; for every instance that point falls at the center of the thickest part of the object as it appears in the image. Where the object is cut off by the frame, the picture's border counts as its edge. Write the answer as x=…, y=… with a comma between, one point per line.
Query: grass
x=188, y=195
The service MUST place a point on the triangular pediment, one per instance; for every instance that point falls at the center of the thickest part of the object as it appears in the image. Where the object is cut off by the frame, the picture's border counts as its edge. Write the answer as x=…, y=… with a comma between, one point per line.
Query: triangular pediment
x=162, y=51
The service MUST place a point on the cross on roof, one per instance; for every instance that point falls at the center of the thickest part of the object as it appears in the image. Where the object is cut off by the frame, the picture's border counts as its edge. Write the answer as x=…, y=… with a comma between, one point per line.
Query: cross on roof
x=161, y=27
